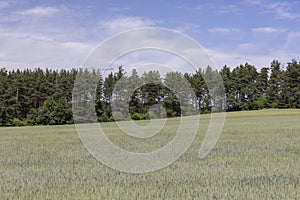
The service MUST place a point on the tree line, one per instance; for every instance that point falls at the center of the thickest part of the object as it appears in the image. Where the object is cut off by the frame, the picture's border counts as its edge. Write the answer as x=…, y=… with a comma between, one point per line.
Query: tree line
x=33, y=97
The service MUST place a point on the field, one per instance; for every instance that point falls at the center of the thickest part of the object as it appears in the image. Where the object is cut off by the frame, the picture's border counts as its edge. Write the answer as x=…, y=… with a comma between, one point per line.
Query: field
x=256, y=157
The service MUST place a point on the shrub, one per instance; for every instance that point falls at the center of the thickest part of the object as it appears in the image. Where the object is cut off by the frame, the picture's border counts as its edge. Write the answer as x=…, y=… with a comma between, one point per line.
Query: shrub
x=18, y=122
x=118, y=116
x=103, y=118
x=139, y=116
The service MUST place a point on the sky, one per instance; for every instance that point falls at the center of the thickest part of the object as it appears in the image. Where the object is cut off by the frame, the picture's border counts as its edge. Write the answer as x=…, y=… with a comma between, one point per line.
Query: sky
x=61, y=34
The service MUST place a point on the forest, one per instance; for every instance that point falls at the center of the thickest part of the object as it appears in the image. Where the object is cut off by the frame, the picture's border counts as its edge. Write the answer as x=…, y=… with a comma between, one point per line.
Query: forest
x=44, y=97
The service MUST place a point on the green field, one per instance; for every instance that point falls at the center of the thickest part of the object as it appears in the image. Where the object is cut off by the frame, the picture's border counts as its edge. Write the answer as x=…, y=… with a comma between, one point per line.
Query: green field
x=256, y=157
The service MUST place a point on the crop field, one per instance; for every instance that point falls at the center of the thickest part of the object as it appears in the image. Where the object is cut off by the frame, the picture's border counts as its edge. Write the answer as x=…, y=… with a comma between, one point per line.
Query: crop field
x=257, y=157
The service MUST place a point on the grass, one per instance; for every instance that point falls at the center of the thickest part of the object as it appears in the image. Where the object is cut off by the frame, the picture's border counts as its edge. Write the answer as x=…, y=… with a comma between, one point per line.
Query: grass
x=256, y=157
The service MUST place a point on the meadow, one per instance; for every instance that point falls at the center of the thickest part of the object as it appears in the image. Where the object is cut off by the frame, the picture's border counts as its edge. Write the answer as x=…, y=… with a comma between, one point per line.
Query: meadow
x=257, y=157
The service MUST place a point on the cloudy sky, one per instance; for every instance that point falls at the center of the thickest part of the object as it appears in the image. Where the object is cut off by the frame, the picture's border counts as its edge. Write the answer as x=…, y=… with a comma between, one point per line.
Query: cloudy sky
x=60, y=34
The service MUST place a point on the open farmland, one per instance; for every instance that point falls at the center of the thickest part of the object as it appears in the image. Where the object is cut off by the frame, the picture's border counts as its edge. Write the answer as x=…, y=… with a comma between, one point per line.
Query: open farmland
x=256, y=157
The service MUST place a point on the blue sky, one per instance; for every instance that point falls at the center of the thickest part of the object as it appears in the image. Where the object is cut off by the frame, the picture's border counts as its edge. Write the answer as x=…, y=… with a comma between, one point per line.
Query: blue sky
x=59, y=34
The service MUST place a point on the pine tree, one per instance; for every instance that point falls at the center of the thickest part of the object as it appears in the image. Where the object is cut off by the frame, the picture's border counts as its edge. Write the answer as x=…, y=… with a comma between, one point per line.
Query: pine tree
x=292, y=84
x=274, y=90
x=261, y=89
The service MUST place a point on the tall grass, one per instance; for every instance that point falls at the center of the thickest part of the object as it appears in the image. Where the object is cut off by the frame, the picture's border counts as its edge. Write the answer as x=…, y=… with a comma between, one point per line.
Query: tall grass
x=257, y=157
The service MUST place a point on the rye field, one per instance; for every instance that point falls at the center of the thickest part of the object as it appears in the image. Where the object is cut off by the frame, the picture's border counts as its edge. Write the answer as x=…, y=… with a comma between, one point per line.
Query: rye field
x=257, y=157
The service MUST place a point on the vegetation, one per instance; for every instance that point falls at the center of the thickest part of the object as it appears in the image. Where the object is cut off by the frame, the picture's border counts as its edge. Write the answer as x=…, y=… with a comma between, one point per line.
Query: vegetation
x=257, y=157
x=33, y=97
x=36, y=97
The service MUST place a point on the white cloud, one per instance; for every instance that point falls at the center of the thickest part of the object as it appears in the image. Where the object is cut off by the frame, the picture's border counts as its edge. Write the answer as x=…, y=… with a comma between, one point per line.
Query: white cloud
x=20, y=50
x=118, y=8
x=47, y=44
x=283, y=9
x=230, y=8
x=259, y=51
x=292, y=44
x=150, y=45
x=248, y=48
x=5, y=4
x=126, y=23
x=223, y=30
x=213, y=6
x=267, y=30
x=186, y=27
x=33, y=40
x=40, y=11
x=253, y=2
x=252, y=53
x=294, y=35
x=234, y=59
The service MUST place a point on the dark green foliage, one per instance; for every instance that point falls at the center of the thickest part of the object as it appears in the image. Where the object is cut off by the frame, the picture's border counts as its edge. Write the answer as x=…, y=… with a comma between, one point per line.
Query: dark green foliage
x=201, y=91
x=139, y=116
x=292, y=85
x=275, y=84
x=23, y=95
x=54, y=113
x=260, y=100
x=32, y=97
